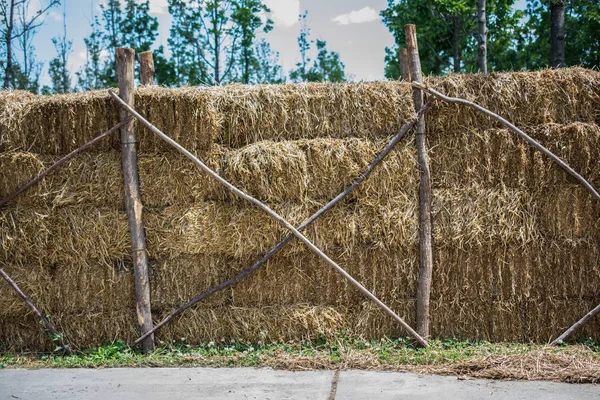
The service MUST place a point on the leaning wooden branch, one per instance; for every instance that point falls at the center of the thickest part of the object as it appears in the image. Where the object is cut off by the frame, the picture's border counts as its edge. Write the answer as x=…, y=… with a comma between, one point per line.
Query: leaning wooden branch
x=527, y=138
x=242, y=275
x=547, y=152
x=576, y=326
x=275, y=216
x=60, y=162
x=54, y=335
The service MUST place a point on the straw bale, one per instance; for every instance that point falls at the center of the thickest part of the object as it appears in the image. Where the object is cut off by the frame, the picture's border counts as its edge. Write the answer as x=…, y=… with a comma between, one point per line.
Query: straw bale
x=305, y=170
x=59, y=124
x=67, y=235
x=519, y=321
x=469, y=216
x=219, y=324
x=523, y=98
x=288, y=112
x=499, y=157
x=536, y=271
x=515, y=240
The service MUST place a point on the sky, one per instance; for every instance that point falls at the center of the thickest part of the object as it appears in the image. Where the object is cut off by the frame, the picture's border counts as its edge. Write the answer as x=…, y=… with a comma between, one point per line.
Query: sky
x=351, y=27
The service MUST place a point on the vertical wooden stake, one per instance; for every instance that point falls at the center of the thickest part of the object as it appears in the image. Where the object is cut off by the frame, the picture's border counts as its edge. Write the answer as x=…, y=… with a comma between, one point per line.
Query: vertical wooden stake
x=133, y=202
x=404, y=65
x=146, y=68
x=425, y=247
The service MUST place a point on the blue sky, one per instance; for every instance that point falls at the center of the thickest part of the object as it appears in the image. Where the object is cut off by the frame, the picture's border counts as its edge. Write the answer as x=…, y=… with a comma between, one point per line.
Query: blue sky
x=351, y=27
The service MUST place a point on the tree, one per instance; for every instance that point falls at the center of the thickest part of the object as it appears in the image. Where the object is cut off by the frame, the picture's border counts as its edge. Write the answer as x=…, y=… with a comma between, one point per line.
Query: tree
x=186, y=43
x=482, y=36
x=204, y=40
x=267, y=68
x=13, y=29
x=88, y=78
x=304, y=44
x=557, y=33
x=447, y=32
x=128, y=26
x=58, y=68
x=247, y=20
x=581, y=39
x=327, y=67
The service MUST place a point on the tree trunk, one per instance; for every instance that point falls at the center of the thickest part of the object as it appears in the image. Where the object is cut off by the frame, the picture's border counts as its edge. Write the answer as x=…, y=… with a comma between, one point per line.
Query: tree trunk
x=482, y=37
x=456, y=51
x=425, y=231
x=557, y=34
x=8, y=39
x=133, y=202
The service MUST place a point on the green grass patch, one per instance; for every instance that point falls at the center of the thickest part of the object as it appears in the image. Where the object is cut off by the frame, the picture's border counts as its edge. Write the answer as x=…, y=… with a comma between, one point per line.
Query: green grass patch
x=338, y=352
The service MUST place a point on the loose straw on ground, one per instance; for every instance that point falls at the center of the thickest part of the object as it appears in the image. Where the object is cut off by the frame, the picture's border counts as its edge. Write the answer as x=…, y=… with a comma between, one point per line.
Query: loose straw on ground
x=54, y=335
x=275, y=216
x=247, y=272
x=547, y=152
x=60, y=162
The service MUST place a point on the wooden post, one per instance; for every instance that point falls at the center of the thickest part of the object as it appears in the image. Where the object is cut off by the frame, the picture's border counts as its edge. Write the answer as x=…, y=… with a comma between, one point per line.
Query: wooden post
x=146, y=68
x=133, y=202
x=404, y=65
x=425, y=247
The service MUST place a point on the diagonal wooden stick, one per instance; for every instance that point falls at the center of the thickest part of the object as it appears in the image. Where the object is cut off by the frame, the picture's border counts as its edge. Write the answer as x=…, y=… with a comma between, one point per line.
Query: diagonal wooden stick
x=242, y=275
x=54, y=335
x=576, y=326
x=61, y=162
x=513, y=128
x=547, y=152
x=273, y=215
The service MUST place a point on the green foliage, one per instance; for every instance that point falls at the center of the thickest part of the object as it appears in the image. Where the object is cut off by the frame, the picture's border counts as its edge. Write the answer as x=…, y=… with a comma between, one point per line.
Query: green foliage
x=131, y=26
x=325, y=351
x=247, y=21
x=327, y=65
x=266, y=64
x=582, y=41
x=446, y=31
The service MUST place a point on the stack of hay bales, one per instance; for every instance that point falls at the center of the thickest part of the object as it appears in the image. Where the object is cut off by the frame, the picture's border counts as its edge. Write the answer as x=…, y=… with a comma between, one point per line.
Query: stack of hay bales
x=516, y=241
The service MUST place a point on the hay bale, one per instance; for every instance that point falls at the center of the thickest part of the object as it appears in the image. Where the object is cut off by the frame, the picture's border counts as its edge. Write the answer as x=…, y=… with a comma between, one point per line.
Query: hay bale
x=311, y=171
x=499, y=157
x=516, y=241
x=59, y=124
x=524, y=98
x=250, y=114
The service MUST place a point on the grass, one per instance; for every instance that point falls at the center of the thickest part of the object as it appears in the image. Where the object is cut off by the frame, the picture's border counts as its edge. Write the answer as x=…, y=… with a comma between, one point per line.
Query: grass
x=569, y=363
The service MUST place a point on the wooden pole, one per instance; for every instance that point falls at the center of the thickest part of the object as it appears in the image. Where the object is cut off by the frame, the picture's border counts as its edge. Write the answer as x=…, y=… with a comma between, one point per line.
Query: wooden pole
x=54, y=335
x=133, y=201
x=273, y=215
x=425, y=231
x=146, y=68
x=576, y=326
x=404, y=65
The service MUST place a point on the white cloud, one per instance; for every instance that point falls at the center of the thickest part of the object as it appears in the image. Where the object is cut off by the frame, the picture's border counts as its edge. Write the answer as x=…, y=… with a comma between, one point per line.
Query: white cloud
x=159, y=7
x=363, y=15
x=284, y=12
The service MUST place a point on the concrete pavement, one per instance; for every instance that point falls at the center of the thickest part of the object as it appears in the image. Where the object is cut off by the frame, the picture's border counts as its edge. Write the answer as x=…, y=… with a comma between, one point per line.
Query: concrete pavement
x=247, y=383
